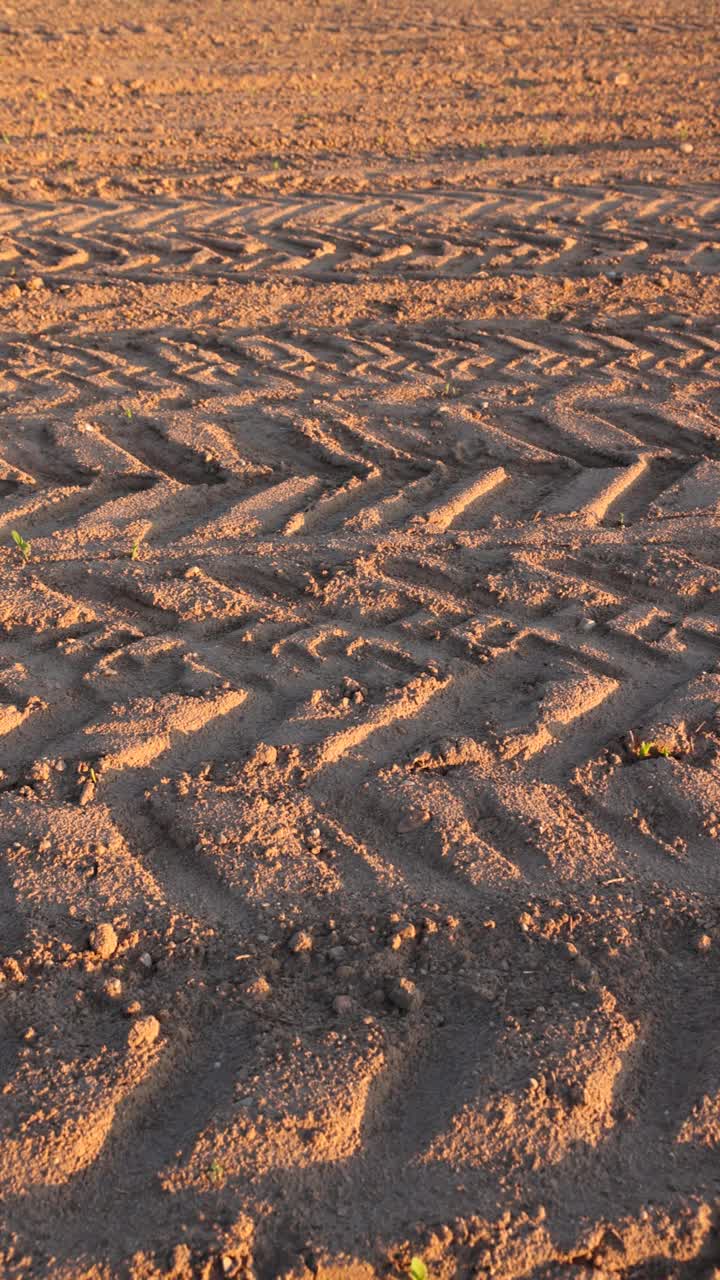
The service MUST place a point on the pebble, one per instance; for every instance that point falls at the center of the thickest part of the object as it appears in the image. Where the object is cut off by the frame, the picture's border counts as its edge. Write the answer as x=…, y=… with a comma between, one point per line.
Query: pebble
x=300, y=941
x=265, y=753
x=103, y=941
x=703, y=943
x=343, y=1005
x=113, y=988
x=687, y=148
x=143, y=1032
x=146, y=960
x=403, y=993
x=622, y=79
x=13, y=291
x=336, y=954
x=35, y=283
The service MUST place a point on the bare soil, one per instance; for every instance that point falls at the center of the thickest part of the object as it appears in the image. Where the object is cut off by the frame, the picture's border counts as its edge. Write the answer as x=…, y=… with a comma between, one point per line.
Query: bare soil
x=360, y=406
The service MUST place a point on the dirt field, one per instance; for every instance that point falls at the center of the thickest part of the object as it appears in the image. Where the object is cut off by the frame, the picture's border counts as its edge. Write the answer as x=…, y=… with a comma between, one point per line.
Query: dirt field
x=359, y=650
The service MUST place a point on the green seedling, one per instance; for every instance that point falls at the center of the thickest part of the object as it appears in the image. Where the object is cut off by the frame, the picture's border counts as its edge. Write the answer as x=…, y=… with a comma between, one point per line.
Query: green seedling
x=93, y=776
x=135, y=553
x=621, y=520
x=417, y=1269
x=651, y=750
x=215, y=1170
x=22, y=545
x=6, y=139
x=128, y=413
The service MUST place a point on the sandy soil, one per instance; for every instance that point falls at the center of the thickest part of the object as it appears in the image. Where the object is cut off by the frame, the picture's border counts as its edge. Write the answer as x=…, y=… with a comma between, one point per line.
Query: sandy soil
x=360, y=396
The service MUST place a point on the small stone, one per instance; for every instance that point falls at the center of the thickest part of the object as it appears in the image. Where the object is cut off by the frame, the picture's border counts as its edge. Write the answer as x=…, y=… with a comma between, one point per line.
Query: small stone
x=146, y=960
x=35, y=283
x=622, y=79
x=336, y=954
x=133, y=1008
x=403, y=993
x=143, y=1033
x=687, y=148
x=343, y=1005
x=587, y=624
x=300, y=941
x=113, y=988
x=103, y=941
x=703, y=943
x=265, y=754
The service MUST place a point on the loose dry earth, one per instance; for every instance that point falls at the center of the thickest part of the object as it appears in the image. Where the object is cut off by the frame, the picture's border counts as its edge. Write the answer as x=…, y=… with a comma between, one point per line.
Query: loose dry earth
x=360, y=400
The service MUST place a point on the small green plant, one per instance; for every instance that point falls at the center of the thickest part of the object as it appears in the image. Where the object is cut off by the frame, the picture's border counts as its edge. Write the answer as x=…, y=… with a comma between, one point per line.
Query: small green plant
x=651, y=750
x=135, y=552
x=22, y=545
x=417, y=1269
x=215, y=1170
x=127, y=412
x=621, y=520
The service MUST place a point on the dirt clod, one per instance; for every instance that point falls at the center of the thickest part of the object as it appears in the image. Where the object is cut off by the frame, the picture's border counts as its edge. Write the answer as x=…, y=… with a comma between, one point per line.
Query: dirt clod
x=403, y=993
x=103, y=941
x=300, y=941
x=143, y=1033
